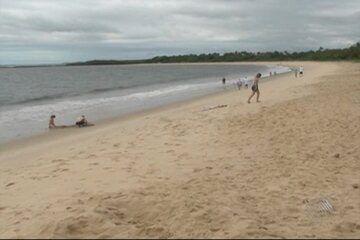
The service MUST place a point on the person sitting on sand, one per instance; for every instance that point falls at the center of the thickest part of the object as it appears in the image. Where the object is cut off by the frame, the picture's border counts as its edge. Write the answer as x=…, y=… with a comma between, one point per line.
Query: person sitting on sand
x=255, y=88
x=52, y=124
x=81, y=121
x=52, y=121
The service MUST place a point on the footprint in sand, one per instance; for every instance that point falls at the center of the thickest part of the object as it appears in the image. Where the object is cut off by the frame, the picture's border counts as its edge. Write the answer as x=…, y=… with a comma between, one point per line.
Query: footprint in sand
x=184, y=155
x=58, y=160
x=10, y=184
x=61, y=170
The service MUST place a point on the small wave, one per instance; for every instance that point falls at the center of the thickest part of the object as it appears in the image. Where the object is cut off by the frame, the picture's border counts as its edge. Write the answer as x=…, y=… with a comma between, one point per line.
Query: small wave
x=60, y=96
x=42, y=111
x=39, y=99
x=100, y=90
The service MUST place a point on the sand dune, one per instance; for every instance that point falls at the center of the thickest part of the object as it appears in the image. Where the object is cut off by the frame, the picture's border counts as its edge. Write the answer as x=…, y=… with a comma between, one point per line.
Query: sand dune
x=287, y=167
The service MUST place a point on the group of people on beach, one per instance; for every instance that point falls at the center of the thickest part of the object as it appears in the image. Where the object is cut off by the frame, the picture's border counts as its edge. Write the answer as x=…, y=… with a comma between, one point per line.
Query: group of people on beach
x=243, y=81
x=80, y=122
x=299, y=70
x=255, y=82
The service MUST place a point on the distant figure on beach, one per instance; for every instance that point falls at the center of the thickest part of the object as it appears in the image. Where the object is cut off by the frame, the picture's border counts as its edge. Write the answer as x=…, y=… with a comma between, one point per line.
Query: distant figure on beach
x=52, y=121
x=301, y=71
x=270, y=74
x=239, y=83
x=83, y=122
x=52, y=124
x=296, y=72
x=223, y=81
x=246, y=81
x=255, y=88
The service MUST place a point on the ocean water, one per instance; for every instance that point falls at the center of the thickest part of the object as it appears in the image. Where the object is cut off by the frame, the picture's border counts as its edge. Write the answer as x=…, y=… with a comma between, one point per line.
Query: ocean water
x=28, y=96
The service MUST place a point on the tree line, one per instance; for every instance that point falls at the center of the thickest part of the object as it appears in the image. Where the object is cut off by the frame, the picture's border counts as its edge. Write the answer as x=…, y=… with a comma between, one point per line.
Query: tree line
x=350, y=53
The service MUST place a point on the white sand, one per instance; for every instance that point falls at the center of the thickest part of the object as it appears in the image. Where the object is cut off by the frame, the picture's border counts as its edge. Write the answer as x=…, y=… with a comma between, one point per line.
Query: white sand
x=243, y=171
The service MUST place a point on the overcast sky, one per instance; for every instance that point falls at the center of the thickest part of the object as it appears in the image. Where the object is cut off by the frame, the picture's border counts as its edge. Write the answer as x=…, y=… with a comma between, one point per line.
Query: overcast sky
x=47, y=31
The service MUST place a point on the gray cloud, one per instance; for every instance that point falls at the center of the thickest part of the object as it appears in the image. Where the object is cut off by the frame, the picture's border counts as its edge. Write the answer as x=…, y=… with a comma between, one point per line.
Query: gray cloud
x=41, y=31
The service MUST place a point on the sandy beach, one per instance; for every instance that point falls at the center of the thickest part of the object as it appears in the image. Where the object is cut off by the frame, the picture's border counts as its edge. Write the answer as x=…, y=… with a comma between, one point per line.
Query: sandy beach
x=287, y=167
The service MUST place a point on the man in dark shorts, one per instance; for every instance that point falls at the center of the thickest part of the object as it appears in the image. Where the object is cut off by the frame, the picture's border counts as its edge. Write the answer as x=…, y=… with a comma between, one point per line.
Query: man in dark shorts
x=255, y=88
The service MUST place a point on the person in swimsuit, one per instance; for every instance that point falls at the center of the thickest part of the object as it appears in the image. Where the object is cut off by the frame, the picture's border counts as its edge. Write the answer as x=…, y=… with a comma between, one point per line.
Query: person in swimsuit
x=52, y=124
x=255, y=88
x=81, y=121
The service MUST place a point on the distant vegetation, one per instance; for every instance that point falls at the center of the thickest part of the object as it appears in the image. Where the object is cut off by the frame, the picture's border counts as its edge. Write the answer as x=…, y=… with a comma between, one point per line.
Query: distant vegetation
x=350, y=53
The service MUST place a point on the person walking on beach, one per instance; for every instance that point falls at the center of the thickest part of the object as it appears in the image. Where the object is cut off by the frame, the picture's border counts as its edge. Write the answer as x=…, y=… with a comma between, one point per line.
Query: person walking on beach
x=224, y=81
x=301, y=71
x=255, y=88
x=81, y=121
x=296, y=72
x=239, y=83
x=246, y=81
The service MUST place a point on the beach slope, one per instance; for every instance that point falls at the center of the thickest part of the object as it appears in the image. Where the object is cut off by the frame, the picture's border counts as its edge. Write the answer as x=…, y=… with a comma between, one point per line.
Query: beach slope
x=287, y=167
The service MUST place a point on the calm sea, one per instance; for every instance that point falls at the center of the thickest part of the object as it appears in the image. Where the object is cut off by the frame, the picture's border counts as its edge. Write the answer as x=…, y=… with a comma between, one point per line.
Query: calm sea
x=28, y=96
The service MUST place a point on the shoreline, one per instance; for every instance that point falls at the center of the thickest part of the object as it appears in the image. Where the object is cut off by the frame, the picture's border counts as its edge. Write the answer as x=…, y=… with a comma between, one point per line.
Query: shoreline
x=67, y=132
x=33, y=122
x=242, y=171
x=141, y=112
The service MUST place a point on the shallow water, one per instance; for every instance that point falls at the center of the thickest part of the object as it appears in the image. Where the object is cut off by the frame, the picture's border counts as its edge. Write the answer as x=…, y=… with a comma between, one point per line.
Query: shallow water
x=28, y=96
